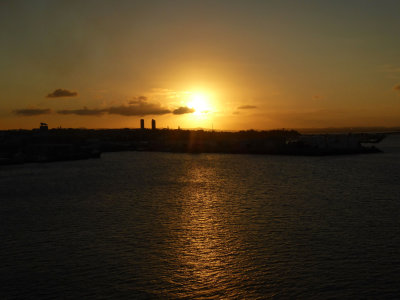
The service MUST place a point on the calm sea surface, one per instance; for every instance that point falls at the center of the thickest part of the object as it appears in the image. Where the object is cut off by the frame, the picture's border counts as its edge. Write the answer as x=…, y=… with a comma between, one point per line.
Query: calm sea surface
x=161, y=225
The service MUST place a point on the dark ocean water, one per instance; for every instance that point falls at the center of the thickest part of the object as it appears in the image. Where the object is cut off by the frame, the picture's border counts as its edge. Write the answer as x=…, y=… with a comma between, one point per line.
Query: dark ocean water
x=210, y=226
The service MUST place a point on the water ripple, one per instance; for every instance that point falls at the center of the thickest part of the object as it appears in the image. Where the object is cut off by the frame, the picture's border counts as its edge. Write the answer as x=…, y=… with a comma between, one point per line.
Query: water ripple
x=179, y=226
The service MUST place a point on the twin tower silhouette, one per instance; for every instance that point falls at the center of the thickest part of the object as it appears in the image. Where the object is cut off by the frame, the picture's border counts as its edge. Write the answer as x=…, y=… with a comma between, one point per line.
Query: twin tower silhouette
x=153, y=124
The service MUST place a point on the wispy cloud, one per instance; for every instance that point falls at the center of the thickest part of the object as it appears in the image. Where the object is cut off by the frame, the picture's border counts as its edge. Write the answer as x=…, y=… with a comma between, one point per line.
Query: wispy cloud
x=183, y=110
x=29, y=112
x=391, y=71
x=62, y=93
x=311, y=117
x=141, y=109
x=138, y=99
x=247, y=107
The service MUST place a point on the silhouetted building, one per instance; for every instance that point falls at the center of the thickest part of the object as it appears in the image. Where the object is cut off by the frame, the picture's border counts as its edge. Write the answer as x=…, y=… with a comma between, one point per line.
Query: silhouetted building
x=153, y=124
x=43, y=127
x=141, y=123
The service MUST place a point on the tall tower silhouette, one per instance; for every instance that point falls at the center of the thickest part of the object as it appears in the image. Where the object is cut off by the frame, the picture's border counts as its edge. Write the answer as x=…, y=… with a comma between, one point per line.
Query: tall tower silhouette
x=153, y=124
x=141, y=123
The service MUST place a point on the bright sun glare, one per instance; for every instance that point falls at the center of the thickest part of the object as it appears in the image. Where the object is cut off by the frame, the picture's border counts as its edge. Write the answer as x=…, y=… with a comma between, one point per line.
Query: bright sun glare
x=199, y=102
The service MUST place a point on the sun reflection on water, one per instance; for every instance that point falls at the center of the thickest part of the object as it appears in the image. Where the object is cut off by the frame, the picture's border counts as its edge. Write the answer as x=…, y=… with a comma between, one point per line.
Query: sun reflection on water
x=207, y=248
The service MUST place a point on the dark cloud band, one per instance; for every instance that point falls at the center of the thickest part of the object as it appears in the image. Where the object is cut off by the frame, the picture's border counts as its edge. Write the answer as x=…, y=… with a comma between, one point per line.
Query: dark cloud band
x=28, y=112
x=247, y=107
x=183, y=110
x=82, y=112
x=141, y=109
x=62, y=93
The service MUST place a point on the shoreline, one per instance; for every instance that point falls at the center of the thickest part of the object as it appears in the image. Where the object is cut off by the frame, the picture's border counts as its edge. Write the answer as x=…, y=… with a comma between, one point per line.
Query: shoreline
x=73, y=144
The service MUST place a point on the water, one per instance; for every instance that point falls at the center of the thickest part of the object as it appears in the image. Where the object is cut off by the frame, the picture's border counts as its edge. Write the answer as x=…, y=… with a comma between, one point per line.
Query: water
x=209, y=226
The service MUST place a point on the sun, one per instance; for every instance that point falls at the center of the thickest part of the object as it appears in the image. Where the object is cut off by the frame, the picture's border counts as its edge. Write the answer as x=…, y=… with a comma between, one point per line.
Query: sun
x=200, y=102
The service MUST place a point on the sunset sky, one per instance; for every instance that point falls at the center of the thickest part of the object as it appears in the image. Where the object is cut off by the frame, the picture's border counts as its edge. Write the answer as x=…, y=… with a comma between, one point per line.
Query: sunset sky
x=223, y=63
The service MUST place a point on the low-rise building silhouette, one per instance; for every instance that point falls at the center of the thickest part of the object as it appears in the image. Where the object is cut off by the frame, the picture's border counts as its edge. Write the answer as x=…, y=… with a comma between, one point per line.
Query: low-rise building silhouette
x=43, y=127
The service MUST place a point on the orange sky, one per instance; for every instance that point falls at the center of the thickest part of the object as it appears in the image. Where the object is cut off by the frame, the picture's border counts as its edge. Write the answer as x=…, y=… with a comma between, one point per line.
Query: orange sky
x=228, y=64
